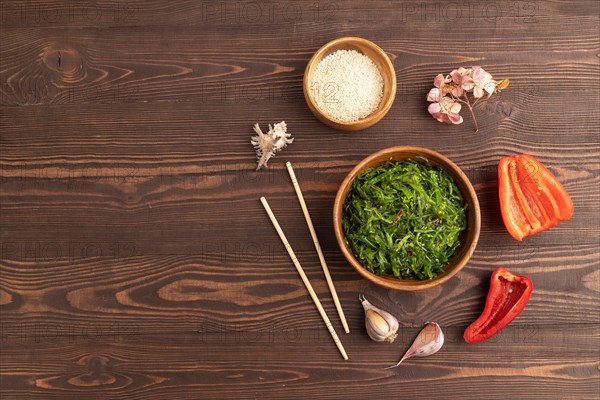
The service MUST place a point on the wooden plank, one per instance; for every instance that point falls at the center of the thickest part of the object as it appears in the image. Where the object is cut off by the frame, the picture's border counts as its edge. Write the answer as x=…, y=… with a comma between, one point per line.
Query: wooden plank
x=244, y=14
x=547, y=362
x=185, y=197
x=204, y=55
x=99, y=66
x=256, y=285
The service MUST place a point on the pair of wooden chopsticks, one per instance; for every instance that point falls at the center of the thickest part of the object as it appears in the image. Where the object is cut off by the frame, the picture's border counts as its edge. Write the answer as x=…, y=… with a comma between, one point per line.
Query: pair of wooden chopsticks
x=321, y=258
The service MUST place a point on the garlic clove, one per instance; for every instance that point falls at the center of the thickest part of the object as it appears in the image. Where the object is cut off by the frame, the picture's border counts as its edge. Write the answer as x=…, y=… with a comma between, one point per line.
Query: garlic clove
x=381, y=326
x=429, y=341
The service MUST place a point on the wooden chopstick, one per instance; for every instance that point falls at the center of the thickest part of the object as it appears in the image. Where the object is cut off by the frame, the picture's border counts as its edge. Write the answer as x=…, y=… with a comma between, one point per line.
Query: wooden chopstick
x=311, y=228
x=309, y=287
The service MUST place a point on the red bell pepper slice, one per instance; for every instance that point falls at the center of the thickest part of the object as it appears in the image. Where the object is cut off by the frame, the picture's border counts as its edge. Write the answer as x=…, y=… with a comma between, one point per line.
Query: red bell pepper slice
x=508, y=295
x=531, y=198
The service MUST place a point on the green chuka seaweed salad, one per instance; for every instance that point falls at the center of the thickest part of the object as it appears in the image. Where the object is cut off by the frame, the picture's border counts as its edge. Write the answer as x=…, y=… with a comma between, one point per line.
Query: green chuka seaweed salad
x=404, y=218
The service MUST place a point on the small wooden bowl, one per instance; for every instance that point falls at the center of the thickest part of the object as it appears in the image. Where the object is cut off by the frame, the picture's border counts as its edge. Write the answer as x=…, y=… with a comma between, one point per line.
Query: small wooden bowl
x=469, y=237
x=382, y=62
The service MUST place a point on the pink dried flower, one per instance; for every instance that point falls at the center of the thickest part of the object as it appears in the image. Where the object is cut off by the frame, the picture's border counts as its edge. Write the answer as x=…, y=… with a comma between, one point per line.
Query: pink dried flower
x=463, y=78
x=452, y=90
x=483, y=82
x=441, y=81
x=446, y=110
x=434, y=95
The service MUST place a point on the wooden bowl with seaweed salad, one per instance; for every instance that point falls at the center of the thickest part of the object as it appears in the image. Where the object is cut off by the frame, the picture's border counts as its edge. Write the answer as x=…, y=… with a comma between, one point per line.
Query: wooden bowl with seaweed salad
x=407, y=218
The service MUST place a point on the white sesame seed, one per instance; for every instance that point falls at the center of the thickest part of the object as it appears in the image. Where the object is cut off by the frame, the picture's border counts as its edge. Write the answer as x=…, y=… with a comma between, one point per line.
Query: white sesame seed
x=347, y=85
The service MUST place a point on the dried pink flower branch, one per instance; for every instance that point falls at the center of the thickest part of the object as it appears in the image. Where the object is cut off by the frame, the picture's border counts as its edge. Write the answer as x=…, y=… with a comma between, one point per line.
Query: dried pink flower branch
x=453, y=89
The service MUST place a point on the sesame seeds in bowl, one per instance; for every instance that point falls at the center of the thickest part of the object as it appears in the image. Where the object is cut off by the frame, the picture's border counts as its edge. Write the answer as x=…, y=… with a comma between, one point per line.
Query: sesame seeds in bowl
x=350, y=84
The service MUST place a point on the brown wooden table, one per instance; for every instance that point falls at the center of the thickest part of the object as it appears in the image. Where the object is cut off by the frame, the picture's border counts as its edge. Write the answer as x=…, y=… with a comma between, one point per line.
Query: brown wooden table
x=138, y=263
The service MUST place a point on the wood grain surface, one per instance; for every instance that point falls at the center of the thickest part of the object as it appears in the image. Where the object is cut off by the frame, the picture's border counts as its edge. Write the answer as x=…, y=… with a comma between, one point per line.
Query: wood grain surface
x=136, y=261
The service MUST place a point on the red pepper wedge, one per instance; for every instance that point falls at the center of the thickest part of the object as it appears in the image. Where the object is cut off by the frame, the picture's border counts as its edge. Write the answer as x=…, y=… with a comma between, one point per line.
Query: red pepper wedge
x=508, y=295
x=531, y=198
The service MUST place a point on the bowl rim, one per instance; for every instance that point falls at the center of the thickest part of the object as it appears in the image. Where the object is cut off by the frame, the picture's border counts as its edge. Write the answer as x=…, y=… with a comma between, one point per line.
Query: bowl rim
x=370, y=119
x=399, y=284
